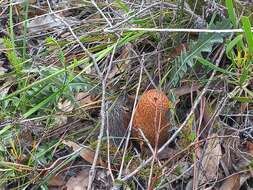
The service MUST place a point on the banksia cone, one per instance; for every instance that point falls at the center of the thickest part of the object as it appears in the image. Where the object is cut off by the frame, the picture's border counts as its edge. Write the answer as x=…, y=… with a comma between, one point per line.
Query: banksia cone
x=151, y=117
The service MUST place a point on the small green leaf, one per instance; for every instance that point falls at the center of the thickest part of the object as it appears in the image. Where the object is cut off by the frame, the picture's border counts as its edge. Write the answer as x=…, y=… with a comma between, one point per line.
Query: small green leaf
x=192, y=136
x=61, y=57
x=51, y=40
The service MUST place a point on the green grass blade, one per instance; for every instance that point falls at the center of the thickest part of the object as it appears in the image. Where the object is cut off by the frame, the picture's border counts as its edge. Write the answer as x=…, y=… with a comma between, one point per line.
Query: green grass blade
x=41, y=104
x=233, y=43
x=248, y=33
x=122, y=5
x=237, y=40
x=6, y=128
x=231, y=12
x=214, y=67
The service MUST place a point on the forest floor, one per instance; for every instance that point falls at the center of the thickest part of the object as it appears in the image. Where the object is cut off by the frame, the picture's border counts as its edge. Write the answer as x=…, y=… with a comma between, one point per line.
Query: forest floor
x=63, y=62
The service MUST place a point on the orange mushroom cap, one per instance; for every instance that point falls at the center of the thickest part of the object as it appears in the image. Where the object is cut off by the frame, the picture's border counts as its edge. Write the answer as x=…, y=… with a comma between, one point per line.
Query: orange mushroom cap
x=151, y=117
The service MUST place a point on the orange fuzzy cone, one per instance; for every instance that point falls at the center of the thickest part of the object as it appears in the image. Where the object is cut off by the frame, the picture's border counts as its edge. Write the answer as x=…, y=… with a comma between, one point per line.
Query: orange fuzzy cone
x=151, y=117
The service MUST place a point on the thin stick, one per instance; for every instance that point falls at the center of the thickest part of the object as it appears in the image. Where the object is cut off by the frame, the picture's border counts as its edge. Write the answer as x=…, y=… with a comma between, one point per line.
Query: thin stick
x=101, y=12
x=130, y=123
x=132, y=16
x=187, y=30
x=103, y=118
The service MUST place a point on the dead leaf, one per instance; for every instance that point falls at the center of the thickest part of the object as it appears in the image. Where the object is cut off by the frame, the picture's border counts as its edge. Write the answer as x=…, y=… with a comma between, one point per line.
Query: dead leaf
x=65, y=106
x=61, y=120
x=211, y=160
x=114, y=71
x=166, y=154
x=4, y=91
x=231, y=183
x=208, y=121
x=83, y=98
x=7, y=84
x=3, y=70
x=249, y=146
x=186, y=89
x=79, y=182
x=86, y=153
x=177, y=51
x=123, y=62
x=56, y=181
x=43, y=23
